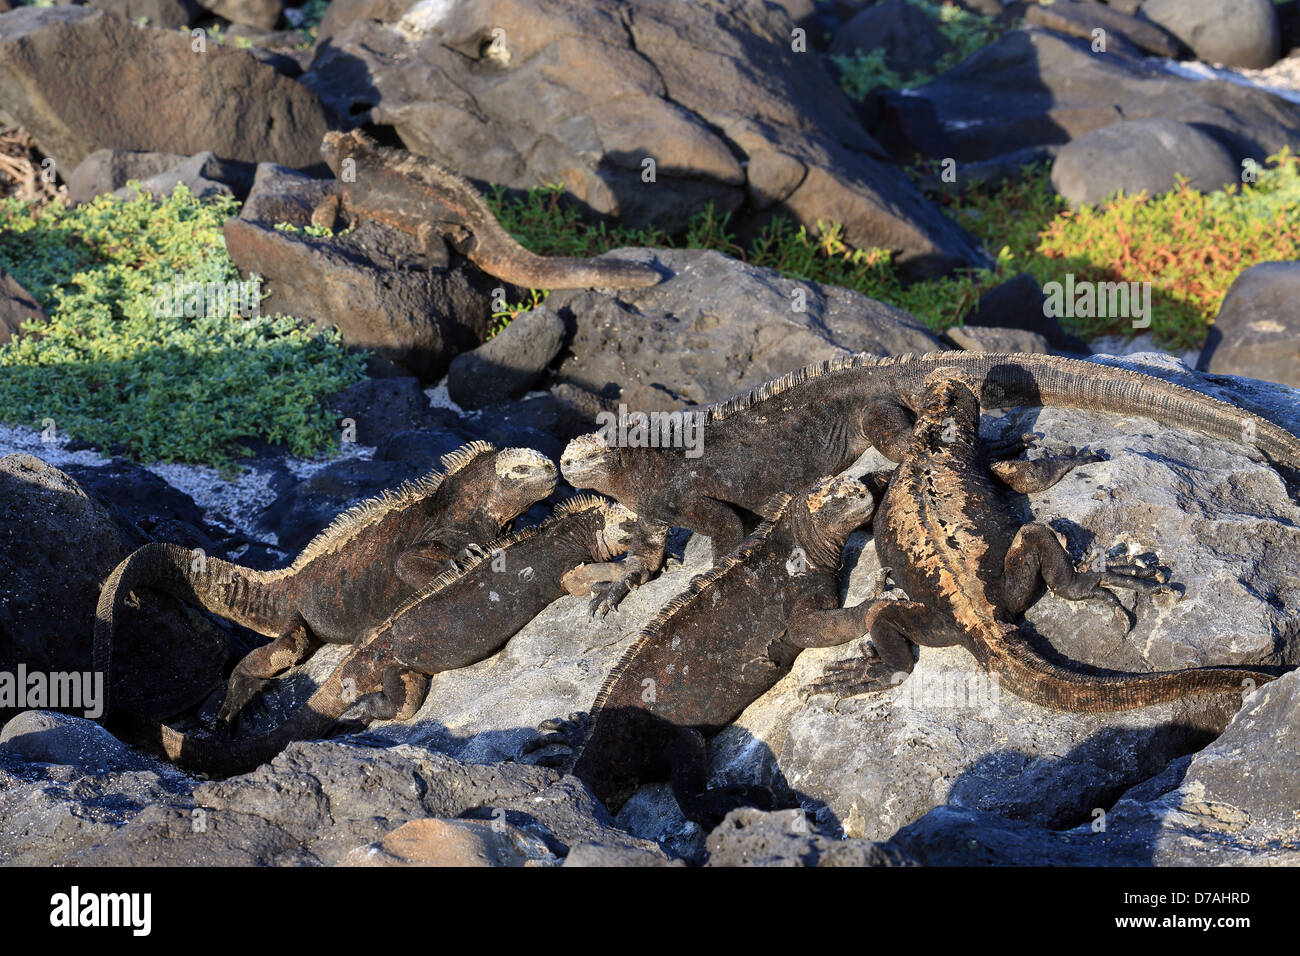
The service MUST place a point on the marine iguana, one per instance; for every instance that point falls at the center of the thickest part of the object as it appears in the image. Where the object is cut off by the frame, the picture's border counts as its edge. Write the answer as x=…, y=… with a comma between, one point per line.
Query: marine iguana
x=348, y=579
x=717, y=647
x=420, y=197
x=971, y=569
x=463, y=616
x=820, y=419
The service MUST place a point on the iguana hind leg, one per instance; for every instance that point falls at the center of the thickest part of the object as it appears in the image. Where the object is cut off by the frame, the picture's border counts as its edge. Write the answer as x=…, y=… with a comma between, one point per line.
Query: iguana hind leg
x=895, y=627
x=292, y=646
x=645, y=556
x=1036, y=555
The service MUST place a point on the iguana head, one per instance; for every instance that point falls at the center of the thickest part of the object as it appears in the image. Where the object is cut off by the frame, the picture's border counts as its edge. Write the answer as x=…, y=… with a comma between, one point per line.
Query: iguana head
x=336, y=147
x=588, y=462
x=523, y=477
x=836, y=507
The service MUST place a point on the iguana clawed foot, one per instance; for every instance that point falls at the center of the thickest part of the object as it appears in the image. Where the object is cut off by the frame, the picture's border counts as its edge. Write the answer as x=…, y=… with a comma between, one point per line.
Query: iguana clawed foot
x=469, y=555
x=608, y=596
x=864, y=674
x=243, y=688
x=563, y=733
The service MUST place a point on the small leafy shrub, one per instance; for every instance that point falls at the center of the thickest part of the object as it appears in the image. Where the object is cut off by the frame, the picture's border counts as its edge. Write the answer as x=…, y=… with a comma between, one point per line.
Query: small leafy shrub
x=107, y=367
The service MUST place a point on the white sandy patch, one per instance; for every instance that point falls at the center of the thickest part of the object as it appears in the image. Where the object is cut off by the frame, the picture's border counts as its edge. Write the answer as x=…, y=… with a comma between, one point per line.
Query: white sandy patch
x=1281, y=79
x=229, y=503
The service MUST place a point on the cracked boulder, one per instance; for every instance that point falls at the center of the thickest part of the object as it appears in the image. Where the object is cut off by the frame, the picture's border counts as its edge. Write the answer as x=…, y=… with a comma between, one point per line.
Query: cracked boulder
x=605, y=99
x=79, y=80
x=716, y=327
x=1050, y=89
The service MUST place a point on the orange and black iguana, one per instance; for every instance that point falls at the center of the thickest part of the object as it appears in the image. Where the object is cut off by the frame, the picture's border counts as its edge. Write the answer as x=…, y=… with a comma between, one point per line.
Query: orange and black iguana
x=971, y=569
x=419, y=197
x=351, y=576
x=462, y=617
x=718, y=646
x=819, y=420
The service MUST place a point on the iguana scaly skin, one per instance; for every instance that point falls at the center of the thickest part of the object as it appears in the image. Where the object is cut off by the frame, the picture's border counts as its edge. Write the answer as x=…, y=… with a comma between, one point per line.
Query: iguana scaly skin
x=460, y=618
x=971, y=569
x=718, y=646
x=818, y=420
x=420, y=197
x=349, y=578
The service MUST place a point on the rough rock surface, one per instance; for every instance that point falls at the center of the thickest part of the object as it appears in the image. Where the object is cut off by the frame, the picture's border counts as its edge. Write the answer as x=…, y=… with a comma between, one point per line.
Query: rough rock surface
x=911, y=41
x=106, y=170
x=586, y=94
x=1018, y=304
x=436, y=842
x=1140, y=155
x=167, y=14
x=57, y=544
x=75, y=78
x=717, y=327
x=1050, y=89
x=749, y=837
x=1232, y=804
x=256, y=13
x=1083, y=19
x=975, y=338
x=324, y=802
x=1257, y=330
x=508, y=364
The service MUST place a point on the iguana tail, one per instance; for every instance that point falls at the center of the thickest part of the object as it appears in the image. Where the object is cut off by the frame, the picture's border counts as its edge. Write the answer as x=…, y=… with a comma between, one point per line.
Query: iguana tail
x=1012, y=379
x=497, y=253
x=237, y=594
x=1025, y=673
x=219, y=757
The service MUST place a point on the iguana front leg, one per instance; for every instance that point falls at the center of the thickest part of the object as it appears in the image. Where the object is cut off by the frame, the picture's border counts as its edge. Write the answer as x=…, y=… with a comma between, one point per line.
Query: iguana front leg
x=645, y=556
x=1036, y=555
x=1027, y=476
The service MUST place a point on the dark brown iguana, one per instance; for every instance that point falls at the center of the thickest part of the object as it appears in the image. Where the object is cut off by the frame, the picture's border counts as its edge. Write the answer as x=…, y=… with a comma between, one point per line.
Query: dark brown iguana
x=349, y=577
x=971, y=569
x=718, y=646
x=818, y=420
x=419, y=197
x=463, y=616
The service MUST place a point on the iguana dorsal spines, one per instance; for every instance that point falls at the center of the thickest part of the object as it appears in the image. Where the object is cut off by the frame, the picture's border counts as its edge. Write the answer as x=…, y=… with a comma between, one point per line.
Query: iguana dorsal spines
x=819, y=419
